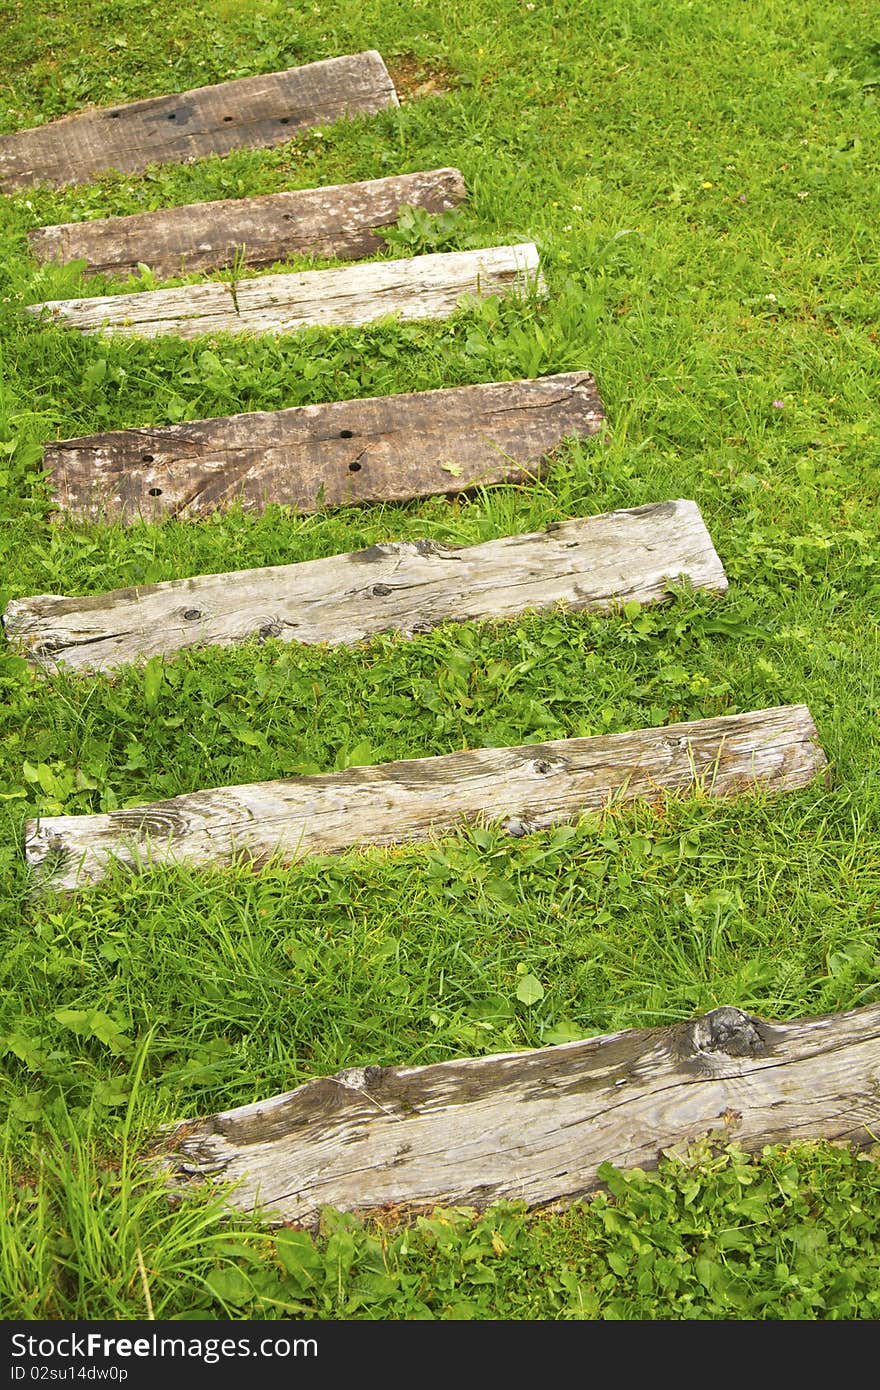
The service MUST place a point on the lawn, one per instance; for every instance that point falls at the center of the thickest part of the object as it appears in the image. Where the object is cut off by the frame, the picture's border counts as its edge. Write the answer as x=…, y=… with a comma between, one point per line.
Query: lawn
x=703, y=185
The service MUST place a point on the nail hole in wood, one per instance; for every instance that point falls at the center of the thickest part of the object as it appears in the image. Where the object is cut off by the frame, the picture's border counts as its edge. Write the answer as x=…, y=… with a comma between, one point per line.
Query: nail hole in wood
x=146, y=458
x=227, y=118
x=284, y=120
x=354, y=467
x=191, y=614
x=114, y=115
x=172, y=115
x=346, y=434
x=155, y=492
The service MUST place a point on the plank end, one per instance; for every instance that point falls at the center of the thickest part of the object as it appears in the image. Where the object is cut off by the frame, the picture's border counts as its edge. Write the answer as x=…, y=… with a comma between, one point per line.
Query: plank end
x=376, y=57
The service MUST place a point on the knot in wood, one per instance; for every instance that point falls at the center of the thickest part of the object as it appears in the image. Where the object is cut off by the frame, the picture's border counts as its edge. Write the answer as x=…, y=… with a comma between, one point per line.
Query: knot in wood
x=380, y=590
x=727, y=1030
x=358, y=1078
x=374, y=553
x=155, y=822
x=544, y=766
x=191, y=614
x=428, y=548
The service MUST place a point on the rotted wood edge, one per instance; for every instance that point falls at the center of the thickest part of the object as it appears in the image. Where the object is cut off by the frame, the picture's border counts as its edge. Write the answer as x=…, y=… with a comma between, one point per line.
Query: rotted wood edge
x=535, y=1126
x=525, y=788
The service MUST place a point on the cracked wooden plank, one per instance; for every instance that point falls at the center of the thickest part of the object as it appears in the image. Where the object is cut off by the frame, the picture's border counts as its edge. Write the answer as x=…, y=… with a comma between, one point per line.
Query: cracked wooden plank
x=406, y=587
x=419, y=287
x=526, y=788
x=244, y=114
x=381, y=449
x=535, y=1126
x=339, y=221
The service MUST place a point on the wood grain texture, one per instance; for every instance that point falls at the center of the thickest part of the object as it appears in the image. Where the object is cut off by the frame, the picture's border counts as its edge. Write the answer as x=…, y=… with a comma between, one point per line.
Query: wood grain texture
x=252, y=111
x=525, y=788
x=536, y=1126
x=387, y=448
x=337, y=221
x=419, y=287
x=405, y=587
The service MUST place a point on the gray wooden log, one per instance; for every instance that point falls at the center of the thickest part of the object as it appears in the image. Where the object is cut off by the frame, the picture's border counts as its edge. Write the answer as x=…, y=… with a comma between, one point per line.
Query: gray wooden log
x=406, y=587
x=419, y=287
x=244, y=114
x=525, y=788
x=338, y=221
x=382, y=449
x=536, y=1126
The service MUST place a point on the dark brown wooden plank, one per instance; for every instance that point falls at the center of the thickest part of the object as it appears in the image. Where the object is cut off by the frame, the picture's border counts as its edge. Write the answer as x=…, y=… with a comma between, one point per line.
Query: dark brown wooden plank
x=536, y=1126
x=593, y=562
x=337, y=221
x=525, y=788
x=385, y=448
x=252, y=111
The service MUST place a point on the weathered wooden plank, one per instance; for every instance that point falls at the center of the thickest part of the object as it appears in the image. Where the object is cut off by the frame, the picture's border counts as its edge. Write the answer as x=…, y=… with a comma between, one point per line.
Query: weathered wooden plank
x=338, y=221
x=387, y=448
x=406, y=587
x=526, y=788
x=536, y=1126
x=252, y=111
x=419, y=287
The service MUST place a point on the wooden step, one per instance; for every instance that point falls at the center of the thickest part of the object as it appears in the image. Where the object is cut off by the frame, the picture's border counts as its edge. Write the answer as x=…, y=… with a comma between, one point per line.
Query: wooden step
x=382, y=449
x=327, y=222
x=419, y=287
x=525, y=788
x=406, y=587
x=249, y=112
x=535, y=1126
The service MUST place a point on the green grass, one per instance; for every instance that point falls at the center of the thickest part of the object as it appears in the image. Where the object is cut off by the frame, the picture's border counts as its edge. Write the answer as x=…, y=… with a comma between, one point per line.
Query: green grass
x=703, y=186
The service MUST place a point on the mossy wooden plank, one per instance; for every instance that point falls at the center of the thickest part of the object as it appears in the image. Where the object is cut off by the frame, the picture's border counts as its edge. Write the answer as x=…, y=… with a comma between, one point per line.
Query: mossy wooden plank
x=380, y=449
x=252, y=111
x=405, y=587
x=536, y=1126
x=525, y=788
x=339, y=221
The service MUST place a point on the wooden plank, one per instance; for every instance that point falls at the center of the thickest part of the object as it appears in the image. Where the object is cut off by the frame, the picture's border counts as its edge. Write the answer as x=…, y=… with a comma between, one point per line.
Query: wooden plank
x=387, y=448
x=419, y=287
x=536, y=1126
x=253, y=111
x=525, y=788
x=337, y=221
x=405, y=587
